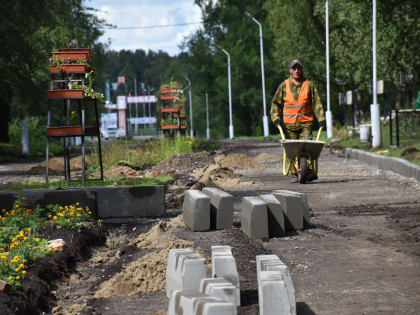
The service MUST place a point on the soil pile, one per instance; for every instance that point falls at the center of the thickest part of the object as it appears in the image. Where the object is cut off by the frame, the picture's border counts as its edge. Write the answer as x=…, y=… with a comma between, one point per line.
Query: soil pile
x=220, y=174
x=237, y=160
x=56, y=165
x=147, y=274
x=268, y=157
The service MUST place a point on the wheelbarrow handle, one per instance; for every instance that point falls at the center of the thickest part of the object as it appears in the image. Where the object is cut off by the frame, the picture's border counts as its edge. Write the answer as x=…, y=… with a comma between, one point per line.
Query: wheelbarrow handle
x=281, y=132
x=319, y=133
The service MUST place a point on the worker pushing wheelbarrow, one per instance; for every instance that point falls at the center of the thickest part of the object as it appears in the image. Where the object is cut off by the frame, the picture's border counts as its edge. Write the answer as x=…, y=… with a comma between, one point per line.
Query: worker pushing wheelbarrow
x=293, y=109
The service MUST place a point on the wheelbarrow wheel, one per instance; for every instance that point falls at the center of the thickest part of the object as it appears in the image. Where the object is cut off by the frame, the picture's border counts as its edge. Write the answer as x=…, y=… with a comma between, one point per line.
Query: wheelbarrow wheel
x=303, y=165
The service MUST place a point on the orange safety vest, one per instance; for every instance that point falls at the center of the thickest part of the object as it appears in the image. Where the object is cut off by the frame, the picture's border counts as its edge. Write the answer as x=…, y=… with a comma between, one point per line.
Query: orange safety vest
x=300, y=108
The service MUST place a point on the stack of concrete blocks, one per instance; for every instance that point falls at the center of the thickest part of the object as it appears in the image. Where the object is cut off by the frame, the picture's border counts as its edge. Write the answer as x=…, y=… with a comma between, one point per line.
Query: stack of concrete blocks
x=276, y=293
x=184, y=270
x=224, y=266
x=262, y=217
x=221, y=208
x=191, y=292
x=211, y=208
x=295, y=207
x=197, y=303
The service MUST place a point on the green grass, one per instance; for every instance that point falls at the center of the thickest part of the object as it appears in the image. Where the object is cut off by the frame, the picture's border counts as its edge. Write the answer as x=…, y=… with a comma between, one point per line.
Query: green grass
x=112, y=181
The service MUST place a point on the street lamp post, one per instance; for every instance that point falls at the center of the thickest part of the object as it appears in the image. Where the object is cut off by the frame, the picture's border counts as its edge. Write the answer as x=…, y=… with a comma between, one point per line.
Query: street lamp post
x=207, y=118
x=191, y=115
x=374, y=108
x=265, y=119
x=230, y=95
x=328, y=113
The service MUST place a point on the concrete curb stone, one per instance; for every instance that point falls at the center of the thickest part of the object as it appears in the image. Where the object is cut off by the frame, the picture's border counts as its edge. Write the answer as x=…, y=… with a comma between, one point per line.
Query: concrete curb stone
x=397, y=165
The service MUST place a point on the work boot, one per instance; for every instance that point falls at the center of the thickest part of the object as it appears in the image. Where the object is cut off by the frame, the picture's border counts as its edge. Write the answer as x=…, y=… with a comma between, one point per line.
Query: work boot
x=311, y=177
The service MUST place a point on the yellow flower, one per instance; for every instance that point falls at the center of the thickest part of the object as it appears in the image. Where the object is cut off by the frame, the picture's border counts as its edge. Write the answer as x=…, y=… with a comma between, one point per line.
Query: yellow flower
x=36, y=239
x=17, y=277
x=23, y=198
x=55, y=217
x=17, y=269
x=77, y=203
x=3, y=257
x=22, y=266
x=16, y=257
x=24, y=272
x=49, y=215
x=35, y=247
x=25, y=238
x=61, y=208
x=29, y=229
x=10, y=277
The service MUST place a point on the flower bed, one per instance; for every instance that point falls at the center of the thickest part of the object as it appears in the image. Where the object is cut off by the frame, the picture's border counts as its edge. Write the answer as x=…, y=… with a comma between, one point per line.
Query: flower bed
x=20, y=239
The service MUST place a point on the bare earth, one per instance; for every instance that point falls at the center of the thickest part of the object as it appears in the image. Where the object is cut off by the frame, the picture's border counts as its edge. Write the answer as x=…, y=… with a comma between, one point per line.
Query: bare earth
x=360, y=256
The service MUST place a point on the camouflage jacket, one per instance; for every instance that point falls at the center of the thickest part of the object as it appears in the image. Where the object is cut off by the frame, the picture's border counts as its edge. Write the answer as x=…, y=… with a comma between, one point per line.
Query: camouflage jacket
x=277, y=102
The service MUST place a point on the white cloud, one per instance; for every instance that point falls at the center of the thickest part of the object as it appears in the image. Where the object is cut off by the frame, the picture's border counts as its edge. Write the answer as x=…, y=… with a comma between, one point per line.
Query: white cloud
x=143, y=13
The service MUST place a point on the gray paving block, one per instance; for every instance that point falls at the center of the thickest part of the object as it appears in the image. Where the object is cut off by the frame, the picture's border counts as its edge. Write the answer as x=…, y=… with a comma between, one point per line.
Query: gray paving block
x=272, y=294
x=221, y=208
x=196, y=210
x=197, y=303
x=172, y=277
x=254, y=220
x=220, y=288
x=275, y=215
x=273, y=263
x=127, y=201
x=295, y=207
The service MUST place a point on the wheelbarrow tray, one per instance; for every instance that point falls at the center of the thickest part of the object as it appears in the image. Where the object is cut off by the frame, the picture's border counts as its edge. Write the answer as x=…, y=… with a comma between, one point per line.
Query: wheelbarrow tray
x=296, y=147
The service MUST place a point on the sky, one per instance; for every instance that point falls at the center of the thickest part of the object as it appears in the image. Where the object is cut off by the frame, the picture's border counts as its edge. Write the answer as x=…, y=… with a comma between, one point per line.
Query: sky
x=146, y=13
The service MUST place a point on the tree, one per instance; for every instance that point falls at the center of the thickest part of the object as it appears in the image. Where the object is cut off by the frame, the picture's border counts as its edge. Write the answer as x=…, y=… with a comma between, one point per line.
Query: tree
x=28, y=33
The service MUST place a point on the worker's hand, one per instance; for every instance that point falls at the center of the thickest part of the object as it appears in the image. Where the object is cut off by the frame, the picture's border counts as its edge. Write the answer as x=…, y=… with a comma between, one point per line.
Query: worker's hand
x=277, y=123
x=322, y=124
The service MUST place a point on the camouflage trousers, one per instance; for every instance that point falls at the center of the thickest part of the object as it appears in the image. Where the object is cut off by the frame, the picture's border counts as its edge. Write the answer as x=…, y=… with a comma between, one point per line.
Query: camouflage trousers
x=299, y=130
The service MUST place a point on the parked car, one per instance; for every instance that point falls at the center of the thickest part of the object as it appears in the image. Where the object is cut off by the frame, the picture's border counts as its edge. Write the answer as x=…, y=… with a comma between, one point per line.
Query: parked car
x=112, y=132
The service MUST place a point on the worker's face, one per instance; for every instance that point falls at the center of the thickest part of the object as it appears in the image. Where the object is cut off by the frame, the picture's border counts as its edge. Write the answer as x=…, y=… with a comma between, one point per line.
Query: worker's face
x=296, y=72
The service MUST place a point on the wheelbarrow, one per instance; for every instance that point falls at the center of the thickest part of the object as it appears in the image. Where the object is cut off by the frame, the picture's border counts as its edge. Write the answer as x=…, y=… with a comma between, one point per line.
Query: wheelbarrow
x=300, y=157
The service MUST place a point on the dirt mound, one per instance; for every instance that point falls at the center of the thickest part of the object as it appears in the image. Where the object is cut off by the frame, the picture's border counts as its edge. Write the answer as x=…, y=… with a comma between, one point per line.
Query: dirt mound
x=184, y=161
x=160, y=236
x=56, y=165
x=222, y=176
x=148, y=274
x=237, y=160
x=119, y=170
x=267, y=157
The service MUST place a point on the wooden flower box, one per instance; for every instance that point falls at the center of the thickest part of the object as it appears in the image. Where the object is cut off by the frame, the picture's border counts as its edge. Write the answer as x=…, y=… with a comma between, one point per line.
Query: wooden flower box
x=70, y=68
x=169, y=110
x=168, y=97
x=173, y=126
x=73, y=54
x=169, y=90
x=76, y=94
x=76, y=130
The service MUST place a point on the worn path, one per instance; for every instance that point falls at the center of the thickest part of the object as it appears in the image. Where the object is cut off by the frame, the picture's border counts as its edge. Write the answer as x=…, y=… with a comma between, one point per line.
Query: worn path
x=362, y=255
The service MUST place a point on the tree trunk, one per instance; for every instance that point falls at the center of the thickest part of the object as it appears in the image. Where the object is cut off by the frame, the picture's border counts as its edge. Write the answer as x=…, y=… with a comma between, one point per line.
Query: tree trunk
x=4, y=121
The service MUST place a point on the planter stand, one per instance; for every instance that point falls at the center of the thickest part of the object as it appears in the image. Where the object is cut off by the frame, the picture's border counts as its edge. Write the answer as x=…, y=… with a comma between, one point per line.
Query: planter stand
x=69, y=97
x=171, y=110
